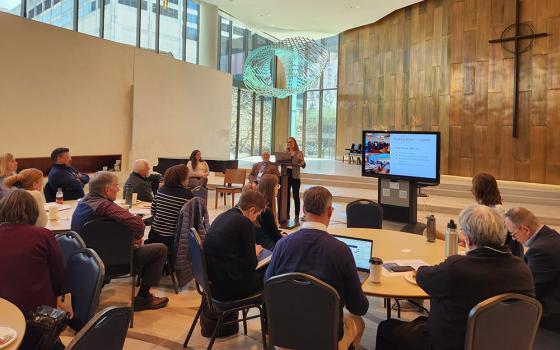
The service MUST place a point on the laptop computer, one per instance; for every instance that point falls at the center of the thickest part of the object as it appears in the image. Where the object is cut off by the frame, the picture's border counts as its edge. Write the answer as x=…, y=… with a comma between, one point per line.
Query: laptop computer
x=362, y=251
x=283, y=157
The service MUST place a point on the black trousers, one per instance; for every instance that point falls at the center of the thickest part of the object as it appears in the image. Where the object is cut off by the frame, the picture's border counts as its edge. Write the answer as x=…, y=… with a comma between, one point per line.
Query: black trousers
x=293, y=186
x=398, y=335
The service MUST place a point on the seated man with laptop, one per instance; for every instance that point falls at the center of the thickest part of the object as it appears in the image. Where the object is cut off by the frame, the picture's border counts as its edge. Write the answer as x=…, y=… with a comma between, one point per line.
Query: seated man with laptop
x=313, y=251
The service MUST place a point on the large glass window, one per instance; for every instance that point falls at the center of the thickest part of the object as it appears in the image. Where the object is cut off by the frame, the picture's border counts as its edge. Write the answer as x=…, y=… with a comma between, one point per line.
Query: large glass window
x=193, y=10
x=148, y=25
x=11, y=6
x=56, y=12
x=88, y=16
x=120, y=20
x=225, y=44
x=313, y=113
x=234, y=114
x=171, y=28
x=238, y=48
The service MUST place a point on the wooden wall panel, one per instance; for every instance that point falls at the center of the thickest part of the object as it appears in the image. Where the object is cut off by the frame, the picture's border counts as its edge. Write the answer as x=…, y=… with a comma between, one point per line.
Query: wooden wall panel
x=430, y=67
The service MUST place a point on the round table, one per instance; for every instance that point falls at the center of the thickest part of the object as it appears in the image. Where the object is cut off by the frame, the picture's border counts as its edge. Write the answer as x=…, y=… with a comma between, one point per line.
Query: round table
x=394, y=245
x=11, y=316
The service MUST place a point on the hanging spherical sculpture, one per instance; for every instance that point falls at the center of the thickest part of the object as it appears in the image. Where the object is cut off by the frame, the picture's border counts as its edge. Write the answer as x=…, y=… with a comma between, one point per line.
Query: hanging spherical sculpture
x=303, y=60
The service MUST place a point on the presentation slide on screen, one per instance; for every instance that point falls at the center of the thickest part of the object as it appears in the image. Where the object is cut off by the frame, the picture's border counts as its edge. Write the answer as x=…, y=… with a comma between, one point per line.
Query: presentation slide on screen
x=412, y=155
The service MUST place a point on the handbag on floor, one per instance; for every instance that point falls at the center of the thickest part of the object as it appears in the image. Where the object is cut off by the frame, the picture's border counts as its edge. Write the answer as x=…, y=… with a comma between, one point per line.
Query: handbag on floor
x=209, y=320
x=44, y=327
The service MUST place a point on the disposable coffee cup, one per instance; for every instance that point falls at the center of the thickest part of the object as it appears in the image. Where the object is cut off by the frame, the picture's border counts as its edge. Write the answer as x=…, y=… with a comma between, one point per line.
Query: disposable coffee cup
x=53, y=212
x=134, y=198
x=105, y=168
x=375, y=265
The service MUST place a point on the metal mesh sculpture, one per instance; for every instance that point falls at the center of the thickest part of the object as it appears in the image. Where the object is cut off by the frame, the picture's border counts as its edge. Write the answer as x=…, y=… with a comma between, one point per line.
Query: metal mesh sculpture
x=303, y=60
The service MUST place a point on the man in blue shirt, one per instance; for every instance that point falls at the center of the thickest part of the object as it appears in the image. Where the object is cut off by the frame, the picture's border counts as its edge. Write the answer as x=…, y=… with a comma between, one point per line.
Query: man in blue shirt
x=63, y=176
x=312, y=250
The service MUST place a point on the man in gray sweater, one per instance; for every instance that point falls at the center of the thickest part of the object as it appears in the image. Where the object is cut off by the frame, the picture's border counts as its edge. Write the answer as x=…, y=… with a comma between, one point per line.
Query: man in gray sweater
x=142, y=182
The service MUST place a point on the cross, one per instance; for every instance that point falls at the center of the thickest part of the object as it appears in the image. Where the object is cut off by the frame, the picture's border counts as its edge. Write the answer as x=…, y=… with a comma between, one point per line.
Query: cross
x=517, y=51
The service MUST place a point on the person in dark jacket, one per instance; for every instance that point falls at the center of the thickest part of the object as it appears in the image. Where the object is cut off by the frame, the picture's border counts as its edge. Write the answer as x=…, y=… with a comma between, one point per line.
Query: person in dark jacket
x=231, y=252
x=543, y=259
x=267, y=233
x=312, y=250
x=458, y=284
x=63, y=176
x=148, y=258
x=142, y=182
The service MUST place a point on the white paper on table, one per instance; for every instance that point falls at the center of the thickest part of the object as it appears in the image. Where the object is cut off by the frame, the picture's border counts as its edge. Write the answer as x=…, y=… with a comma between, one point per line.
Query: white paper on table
x=414, y=263
x=60, y=206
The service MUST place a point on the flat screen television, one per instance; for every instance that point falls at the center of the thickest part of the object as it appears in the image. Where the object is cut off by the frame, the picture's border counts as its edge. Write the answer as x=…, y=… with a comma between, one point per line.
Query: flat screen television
x=401, y=155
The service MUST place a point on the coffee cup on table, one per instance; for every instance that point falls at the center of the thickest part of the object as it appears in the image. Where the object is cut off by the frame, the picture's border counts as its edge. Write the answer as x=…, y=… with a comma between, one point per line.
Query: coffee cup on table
x=134, y=198
x=53, y=212
x=375, y=265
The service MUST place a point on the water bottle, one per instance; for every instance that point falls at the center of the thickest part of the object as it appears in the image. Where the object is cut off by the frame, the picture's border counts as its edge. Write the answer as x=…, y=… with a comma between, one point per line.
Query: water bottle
x=431, y=228
x=128, y=193
x=451, y=239
x=59, y=196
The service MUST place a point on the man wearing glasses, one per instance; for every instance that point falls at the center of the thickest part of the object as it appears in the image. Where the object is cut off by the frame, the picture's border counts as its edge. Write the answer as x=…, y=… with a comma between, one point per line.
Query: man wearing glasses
x=543, y=258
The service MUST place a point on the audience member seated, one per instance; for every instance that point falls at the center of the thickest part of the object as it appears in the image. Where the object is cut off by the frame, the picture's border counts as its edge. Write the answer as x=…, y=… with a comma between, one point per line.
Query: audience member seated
x=267, y=233
x=231, y=252
x=148, y=258
x=458, y=284
x=8, y=166
x=543, y=258
x=30, y=259
x=167, y=204
x=312, y=250
x=31, y=180
x=63, y=176
x=486, y=192
x=198, y=170
x=261, y=168
x=142, y=182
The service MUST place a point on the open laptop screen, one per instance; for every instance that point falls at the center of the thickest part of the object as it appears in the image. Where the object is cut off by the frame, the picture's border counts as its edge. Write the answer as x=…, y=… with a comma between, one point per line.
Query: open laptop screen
x=361, y=250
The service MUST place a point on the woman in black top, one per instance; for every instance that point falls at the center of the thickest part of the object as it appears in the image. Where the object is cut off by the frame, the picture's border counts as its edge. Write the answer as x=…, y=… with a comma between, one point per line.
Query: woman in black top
x=167, y=204
x=267, y=233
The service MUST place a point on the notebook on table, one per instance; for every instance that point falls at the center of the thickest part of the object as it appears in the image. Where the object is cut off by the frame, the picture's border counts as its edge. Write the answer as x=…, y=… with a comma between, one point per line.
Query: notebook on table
x=263, y=258
x=361, y=251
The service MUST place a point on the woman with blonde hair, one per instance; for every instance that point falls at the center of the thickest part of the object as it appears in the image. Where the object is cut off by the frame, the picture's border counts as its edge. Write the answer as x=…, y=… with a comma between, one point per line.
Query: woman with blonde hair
x=267, y=233
x=294, y=181
x=8, y=165
x=31, y=180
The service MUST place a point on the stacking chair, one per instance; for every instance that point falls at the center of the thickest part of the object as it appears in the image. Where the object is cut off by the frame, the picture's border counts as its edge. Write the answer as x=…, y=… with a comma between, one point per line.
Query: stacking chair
x=364, y=213
x=114, y=243
x=348, y=152
x=491, y=322
x=106, y=330
x=222, y=308
x=303, y=312
x=83, y=277
x=69, y=242
x=233, y=177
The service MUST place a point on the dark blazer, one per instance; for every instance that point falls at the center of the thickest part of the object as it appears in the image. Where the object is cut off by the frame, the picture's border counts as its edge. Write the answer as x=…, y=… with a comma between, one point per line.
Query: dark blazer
x=543, y=258
x=69, y=179
x=461, y=282
x=229, y=247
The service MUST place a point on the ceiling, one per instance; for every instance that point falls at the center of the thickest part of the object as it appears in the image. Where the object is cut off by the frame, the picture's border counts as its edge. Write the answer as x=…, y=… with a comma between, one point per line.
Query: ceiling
x=309, y=18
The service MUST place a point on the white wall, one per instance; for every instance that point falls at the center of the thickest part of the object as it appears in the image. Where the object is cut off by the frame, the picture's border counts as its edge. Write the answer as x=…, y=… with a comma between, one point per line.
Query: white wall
x=179, y=107
x=61, y=88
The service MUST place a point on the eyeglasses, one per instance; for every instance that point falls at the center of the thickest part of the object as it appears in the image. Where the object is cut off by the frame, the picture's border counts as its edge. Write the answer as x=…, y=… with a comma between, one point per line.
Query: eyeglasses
x=514, y=233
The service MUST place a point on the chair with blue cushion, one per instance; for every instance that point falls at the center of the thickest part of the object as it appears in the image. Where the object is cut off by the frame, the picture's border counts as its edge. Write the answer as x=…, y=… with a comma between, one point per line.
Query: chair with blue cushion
x=84, y=279
x=106, y=330
x=69, y=242
x=222, y=308
x=302, y=311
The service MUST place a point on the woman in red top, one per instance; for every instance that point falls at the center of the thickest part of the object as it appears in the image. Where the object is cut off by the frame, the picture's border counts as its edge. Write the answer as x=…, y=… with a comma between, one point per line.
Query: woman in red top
x=31, y=267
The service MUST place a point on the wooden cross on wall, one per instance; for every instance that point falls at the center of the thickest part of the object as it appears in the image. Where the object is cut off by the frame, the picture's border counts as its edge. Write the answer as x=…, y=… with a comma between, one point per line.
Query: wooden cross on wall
x=517, y=51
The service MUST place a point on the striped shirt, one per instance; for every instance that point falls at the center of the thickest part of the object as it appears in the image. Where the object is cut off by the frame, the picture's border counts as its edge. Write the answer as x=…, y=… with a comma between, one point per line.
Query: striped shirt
x=166, y=207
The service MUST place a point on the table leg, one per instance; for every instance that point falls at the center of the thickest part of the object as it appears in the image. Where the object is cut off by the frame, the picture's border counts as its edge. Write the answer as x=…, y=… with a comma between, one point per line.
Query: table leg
x=388, y=303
